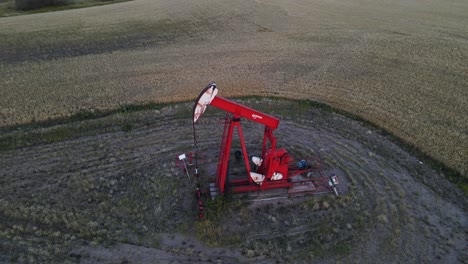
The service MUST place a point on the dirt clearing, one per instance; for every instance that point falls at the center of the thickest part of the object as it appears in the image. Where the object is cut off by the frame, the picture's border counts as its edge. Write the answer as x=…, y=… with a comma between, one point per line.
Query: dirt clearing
x=116, y=196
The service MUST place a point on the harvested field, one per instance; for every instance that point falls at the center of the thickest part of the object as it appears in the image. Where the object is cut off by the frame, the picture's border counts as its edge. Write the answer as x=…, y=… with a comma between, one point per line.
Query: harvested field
x=106, y=189
x=116, y=196
x=401, y=65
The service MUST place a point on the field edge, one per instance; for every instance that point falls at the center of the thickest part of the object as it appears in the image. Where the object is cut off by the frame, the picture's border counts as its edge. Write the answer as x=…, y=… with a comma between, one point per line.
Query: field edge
x=62, y=129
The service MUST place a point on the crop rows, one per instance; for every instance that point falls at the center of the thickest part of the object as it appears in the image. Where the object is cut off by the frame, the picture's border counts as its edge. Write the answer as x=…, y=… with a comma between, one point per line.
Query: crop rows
x=382, y=61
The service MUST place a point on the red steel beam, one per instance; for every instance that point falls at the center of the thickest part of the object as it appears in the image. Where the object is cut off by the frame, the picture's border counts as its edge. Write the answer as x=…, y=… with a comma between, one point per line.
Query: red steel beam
x=246, y=112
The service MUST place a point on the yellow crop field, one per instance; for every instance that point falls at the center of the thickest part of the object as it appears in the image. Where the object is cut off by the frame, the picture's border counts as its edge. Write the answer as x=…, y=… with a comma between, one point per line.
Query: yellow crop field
x=402, y=65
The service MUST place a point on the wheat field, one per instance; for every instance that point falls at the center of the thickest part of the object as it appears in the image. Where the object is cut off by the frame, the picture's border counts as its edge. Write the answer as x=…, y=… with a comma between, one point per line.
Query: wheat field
x=402, y=65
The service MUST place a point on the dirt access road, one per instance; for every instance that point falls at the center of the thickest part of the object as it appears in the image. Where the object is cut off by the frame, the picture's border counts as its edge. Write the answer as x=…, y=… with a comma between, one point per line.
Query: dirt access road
x=115, y=196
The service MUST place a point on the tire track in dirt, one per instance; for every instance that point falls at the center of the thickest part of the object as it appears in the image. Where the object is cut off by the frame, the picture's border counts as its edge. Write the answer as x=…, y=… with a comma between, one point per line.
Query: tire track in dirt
x=386, y=214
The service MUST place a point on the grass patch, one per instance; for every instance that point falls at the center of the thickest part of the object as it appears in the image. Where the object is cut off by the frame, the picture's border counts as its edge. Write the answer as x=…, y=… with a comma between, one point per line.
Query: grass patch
x=84, y=115
x=212, y=230
x=85, y=210
x=50, y=131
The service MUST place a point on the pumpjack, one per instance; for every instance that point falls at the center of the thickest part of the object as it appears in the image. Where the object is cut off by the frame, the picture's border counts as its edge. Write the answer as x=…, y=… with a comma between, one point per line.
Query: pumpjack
x=275, y=168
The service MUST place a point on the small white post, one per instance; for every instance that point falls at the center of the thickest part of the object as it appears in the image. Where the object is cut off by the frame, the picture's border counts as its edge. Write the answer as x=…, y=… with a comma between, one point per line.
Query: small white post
x=182, y=158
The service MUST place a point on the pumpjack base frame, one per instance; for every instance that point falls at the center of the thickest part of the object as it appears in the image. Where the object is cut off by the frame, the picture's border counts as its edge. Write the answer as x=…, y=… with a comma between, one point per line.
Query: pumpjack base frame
x=295, y=186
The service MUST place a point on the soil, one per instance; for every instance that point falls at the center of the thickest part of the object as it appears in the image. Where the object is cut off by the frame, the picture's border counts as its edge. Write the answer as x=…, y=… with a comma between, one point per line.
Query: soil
x=117, y=196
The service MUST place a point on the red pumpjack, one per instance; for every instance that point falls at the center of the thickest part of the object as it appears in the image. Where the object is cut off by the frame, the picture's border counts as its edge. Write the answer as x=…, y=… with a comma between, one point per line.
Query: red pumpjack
x=276, y=168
